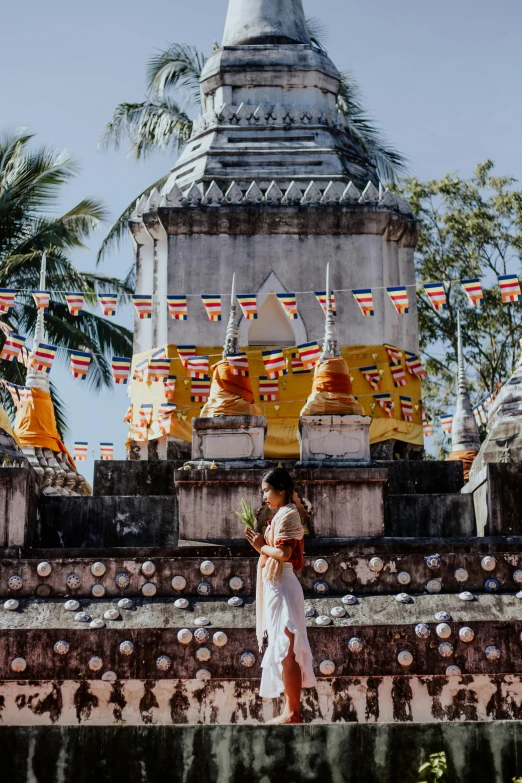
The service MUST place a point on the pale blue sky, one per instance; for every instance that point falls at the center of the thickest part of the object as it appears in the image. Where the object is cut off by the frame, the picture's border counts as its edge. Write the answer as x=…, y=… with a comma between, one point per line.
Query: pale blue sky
x=443, y=80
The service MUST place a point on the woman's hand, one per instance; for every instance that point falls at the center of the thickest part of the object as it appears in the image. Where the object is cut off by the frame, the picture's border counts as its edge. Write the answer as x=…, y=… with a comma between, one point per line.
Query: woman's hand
x=255, y=539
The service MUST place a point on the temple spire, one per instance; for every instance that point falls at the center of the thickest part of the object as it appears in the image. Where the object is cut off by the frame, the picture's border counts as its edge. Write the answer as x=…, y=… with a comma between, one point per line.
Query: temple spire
x=232, y=334
x=257, y=22
x=464, y=433
x=36, y=379
x=330, y=345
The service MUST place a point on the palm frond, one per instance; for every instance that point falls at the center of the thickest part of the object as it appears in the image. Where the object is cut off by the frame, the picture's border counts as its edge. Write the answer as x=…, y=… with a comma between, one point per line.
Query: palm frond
x=119, y=228
x=390, y=163
x=178, y=67
x=317, y=31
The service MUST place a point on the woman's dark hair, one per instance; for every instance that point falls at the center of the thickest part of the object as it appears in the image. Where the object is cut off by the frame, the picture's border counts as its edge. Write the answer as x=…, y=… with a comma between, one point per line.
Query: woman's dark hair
x=280, y=479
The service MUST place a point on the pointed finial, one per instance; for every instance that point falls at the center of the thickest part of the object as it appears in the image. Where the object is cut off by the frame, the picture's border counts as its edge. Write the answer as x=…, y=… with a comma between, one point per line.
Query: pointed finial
x=461, y=372
x=232, y=333
x=36, y=379
x=330, y=345
x=464, y=432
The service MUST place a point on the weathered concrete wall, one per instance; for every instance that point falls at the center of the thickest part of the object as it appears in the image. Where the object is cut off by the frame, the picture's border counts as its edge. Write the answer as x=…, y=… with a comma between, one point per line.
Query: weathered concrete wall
x=430, y=515
x=420, y=477
x=85, y=522
x=18, y=503
x=363, y=700
x=141, y=478
x=485, y=752
x=505, y=499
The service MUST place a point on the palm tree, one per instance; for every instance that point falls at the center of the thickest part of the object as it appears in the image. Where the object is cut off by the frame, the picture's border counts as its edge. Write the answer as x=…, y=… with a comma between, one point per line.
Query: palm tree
x=31, y=182
x=163, y=122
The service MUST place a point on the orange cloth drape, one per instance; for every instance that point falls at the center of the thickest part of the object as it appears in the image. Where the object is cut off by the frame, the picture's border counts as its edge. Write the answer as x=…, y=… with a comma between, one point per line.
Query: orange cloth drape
x=230, y=395
x=466, y=457
x=332, y=391
x=35, y=424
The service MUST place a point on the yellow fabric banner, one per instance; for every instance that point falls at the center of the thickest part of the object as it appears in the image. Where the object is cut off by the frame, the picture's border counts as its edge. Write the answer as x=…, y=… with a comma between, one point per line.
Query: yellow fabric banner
x=283, y=415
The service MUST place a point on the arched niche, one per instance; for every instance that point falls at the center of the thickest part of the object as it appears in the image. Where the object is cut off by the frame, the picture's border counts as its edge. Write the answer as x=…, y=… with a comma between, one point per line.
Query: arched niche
x=272, y=326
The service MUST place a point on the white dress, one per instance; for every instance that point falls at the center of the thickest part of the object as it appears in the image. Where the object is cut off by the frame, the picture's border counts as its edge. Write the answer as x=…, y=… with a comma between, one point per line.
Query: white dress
x=284, y=608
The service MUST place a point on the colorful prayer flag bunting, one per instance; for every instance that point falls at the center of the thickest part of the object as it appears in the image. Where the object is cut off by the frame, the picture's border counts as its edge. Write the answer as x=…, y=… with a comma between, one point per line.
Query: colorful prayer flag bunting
x=79, y=364
x=385, y=401
x=482, y=413
x=120, y=367
x=407, y=408
x=26, y=394
x=239, y=364
x=268, y=389
x=437, y=295
x=128, y=416
x=200, y=389
x=414, y=366
x=178, y=309
x=7, y=299
x=372, y=375
x=6, y=329
x=109, y=304
x=477, y=416
x=399, y=297
x=12, y=388
x=274, y=362
x=143, y=305
x=12, y=347
x=185, y=351
x=159, y=368
x=107, y=451
x=75, y=303
x=510, y=288
x=42, y=299
x=197, y=366
x=364, y=299
x=446, y=423
x=310, y=354
x=43, y=357
x=399, y=376
x=474, y=292
x=166, y=409
x=81, y=450
x=145, y=414
x=394, y=353
x=165, y=412
x=140, y=370
x=169, y=387
x=427, y=424
x=297, y=365
x=248, y=304
x=321, y=298
x=212, y=306
x=289, y=303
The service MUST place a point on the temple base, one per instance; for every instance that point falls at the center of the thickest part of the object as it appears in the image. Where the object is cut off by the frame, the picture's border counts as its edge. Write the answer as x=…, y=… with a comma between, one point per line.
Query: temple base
x=335, y=438
x=229, y=437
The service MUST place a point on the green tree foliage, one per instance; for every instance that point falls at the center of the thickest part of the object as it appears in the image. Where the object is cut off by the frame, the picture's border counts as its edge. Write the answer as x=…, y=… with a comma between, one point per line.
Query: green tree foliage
x=470, y=228
x=434, y=769
x=163, y=122
x=31, y=184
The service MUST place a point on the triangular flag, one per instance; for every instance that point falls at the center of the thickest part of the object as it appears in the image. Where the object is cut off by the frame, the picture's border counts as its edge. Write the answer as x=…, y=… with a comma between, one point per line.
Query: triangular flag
x=43, y=357
x=169, y=387
x=385, y=401
x=407, y=408
x=310, y=354
x=364, y=299
x=200, y=389
x=185, y=351
x=81, y=450
x=7, y=300
x=274, y=362
x=437, y=296
x=394, y=353
x=427, y=424
x=159, y=368
x=145, y=414
x=321, y=298
x=372, y=375
x=399, y=297
x=128, y=416
x=197, y=366
x=268, y=389
x=248, y=304
x=509, y=288
x=75, y=303
x=414, y=366
x=143, y=305
x=398, y=374
x=289, y=303
x=474, y=292
x=297, y=365
x=178, y=309
x=239, y=364
x=140, y=370
x=120, y=367
x=12, y=346
x=109, y=303
x=79, y=364
x=13, y=390
x=446, y=422
x=107, y=451
x=212, y=304
x=42, y=299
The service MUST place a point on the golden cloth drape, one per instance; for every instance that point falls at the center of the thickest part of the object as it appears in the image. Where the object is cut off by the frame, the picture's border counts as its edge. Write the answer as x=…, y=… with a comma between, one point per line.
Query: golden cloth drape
x=466, y=457
x=294, y=389
x=5, y=422
x=35, y=424
x=332, y=392
x=230, y=395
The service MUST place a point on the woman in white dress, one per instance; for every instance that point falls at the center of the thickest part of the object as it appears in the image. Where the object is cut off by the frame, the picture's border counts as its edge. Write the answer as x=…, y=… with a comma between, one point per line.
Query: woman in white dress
x=287, y=664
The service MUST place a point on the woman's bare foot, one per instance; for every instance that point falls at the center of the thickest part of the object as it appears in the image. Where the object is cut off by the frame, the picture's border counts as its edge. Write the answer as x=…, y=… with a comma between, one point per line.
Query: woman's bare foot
x=285, y=719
